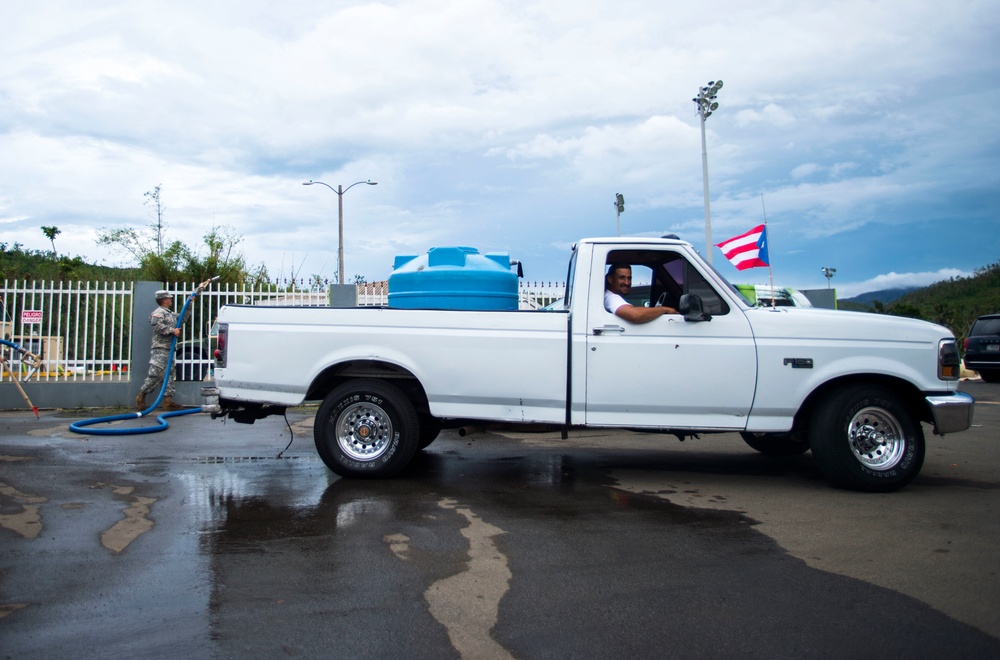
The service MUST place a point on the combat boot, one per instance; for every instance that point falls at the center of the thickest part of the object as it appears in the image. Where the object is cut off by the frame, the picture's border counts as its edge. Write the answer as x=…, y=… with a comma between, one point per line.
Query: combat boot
x=140, y=401
x=170, y=404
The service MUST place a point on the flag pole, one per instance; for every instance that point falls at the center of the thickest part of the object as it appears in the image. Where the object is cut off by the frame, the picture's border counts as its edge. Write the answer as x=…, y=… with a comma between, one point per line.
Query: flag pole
x=770, y=271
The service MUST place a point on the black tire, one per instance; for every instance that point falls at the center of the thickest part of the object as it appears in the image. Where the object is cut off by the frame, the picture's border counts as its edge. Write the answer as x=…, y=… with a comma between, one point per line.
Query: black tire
x=990, y=375
x=865, y=438
x=775, y=444
x=366, y=428
x=430, y=428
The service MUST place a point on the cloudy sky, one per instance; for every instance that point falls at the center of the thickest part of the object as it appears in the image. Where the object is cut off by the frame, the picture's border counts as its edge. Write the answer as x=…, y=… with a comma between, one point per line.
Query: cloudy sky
x=866, y=131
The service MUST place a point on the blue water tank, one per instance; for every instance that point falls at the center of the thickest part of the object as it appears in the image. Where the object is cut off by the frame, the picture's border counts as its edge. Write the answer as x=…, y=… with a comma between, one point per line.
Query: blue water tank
x=453, y=278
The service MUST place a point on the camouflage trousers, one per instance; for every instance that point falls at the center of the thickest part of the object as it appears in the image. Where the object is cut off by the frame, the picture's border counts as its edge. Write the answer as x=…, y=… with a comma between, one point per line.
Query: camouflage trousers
x=157, y=366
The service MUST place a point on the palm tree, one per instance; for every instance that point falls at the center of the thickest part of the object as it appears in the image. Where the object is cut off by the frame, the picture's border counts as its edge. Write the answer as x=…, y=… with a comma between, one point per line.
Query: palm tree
x=51, y=233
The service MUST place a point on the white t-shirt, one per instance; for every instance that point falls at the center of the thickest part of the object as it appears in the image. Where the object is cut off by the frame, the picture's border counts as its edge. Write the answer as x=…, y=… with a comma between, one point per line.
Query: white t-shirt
x=612, y=301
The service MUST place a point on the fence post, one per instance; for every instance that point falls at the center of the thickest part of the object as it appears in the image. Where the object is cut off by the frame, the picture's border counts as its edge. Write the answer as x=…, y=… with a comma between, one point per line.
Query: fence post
x=143, y=304
x=343, y=295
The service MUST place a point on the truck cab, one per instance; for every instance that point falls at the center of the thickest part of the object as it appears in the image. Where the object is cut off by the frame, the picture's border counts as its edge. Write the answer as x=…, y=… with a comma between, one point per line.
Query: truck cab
x=652, y=374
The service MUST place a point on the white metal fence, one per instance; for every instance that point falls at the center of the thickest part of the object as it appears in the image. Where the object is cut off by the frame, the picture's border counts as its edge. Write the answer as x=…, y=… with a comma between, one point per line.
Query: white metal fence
x=535, y=295
x=77, y=329
x=83, y=330
x=531, y=295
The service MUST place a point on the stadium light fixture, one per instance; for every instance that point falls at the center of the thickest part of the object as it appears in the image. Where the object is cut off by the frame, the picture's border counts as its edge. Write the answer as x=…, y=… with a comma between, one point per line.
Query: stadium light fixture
x=706, y=106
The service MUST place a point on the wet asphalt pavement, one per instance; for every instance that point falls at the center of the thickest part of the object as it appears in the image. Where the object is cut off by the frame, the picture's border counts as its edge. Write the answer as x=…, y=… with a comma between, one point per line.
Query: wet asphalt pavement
x=201, y=542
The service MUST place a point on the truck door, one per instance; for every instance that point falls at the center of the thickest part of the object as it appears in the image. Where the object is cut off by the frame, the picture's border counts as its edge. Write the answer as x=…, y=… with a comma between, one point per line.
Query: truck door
x=668, y=373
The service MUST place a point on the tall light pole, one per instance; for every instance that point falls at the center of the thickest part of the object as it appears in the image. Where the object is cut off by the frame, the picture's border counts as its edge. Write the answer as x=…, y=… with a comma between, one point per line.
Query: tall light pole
x=620, y=208
x=828, y=273
x=340, y=226
x=706, y=106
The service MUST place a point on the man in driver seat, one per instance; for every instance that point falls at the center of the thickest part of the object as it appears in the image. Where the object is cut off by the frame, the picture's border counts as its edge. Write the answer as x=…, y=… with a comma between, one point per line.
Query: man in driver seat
x=617, y=284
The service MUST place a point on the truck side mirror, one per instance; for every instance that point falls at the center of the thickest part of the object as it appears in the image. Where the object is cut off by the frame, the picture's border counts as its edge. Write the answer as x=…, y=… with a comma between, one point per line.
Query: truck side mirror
x=691, y=308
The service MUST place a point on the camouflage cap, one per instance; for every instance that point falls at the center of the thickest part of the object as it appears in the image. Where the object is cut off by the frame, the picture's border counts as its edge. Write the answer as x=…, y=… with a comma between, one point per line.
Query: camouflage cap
x=163, y=294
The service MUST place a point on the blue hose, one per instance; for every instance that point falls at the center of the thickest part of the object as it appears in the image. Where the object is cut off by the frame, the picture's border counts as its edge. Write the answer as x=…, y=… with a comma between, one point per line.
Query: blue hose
x=77, y=427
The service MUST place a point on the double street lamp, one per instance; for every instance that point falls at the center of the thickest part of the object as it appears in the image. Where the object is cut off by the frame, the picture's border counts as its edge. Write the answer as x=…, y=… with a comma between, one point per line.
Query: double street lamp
x=706, y=106
x=340, y=190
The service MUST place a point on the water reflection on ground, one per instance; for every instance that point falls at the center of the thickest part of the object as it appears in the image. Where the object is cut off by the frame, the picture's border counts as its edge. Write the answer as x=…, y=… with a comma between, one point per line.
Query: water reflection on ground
x=253, y=496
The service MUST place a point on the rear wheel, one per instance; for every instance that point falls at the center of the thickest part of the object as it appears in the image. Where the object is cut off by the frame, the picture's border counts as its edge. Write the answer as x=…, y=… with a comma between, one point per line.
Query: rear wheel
x=366, y=428
x=990, y=375
x=430, y=428
x=865, y=438
x=775, y=444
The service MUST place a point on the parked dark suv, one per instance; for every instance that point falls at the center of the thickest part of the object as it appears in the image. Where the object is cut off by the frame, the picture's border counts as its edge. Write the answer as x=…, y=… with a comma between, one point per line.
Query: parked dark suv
x=982, y=348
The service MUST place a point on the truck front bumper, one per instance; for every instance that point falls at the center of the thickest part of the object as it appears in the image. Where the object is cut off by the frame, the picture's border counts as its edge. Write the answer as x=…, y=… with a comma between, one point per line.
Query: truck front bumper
x=951, y=412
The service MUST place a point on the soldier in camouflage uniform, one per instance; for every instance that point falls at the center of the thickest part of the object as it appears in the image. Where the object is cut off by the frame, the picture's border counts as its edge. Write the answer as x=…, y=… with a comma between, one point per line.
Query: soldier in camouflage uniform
x=164, y=322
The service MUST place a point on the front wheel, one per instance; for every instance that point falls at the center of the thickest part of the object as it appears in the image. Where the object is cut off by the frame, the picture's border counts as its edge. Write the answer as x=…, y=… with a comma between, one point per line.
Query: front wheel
x=366, y=428
x=865, y=438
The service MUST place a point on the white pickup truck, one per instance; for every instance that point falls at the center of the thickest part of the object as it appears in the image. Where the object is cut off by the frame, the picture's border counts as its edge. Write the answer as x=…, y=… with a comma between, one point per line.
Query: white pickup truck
x=852, y=387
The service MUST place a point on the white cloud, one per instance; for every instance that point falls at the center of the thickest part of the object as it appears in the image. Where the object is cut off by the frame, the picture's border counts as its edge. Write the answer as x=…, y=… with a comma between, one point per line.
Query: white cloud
x=806, y=170
x=772, y=114
x=898, y=281
x=513, y=123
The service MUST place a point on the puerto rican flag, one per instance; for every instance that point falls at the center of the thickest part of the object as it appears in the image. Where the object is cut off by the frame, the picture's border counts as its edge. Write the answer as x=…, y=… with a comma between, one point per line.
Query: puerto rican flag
x=747, y=250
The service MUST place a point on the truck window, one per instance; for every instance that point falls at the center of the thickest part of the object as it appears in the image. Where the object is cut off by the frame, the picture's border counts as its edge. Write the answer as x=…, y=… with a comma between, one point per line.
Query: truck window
x=667, y=273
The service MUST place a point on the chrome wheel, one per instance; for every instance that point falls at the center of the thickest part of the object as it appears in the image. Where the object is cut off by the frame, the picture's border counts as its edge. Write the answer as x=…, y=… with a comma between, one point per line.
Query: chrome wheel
x=876, y=438
x=364, y=431
x=866, y=437
x=366, y=428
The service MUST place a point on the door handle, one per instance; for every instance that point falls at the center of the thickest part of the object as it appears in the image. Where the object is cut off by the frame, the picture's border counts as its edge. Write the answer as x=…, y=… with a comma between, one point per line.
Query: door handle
x=609, y=328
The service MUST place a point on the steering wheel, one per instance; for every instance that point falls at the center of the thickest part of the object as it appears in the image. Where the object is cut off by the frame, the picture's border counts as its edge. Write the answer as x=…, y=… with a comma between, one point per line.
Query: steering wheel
x=661, y=299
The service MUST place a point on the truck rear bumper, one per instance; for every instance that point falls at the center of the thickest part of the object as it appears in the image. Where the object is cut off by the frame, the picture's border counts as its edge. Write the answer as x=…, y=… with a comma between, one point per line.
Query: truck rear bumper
x=951, y=412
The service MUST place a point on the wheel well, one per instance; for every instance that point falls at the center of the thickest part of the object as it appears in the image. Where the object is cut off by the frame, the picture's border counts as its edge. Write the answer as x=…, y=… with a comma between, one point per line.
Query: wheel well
x=912, y=397
x=336, y=374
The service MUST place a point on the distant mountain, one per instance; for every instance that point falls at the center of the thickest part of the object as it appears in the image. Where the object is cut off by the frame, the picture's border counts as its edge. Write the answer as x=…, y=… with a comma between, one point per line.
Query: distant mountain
x=954, y=303
x=884, y=296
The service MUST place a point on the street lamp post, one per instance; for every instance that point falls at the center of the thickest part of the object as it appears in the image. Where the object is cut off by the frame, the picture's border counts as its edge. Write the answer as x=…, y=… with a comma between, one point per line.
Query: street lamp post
x=340, y=190
x=706, y=106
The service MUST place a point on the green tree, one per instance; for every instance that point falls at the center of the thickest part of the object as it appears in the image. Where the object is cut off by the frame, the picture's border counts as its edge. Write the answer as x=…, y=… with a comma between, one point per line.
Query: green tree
x=173, y=261
x=51, y=233
x=954, y=303
x=221, y=258
x=153, y=199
